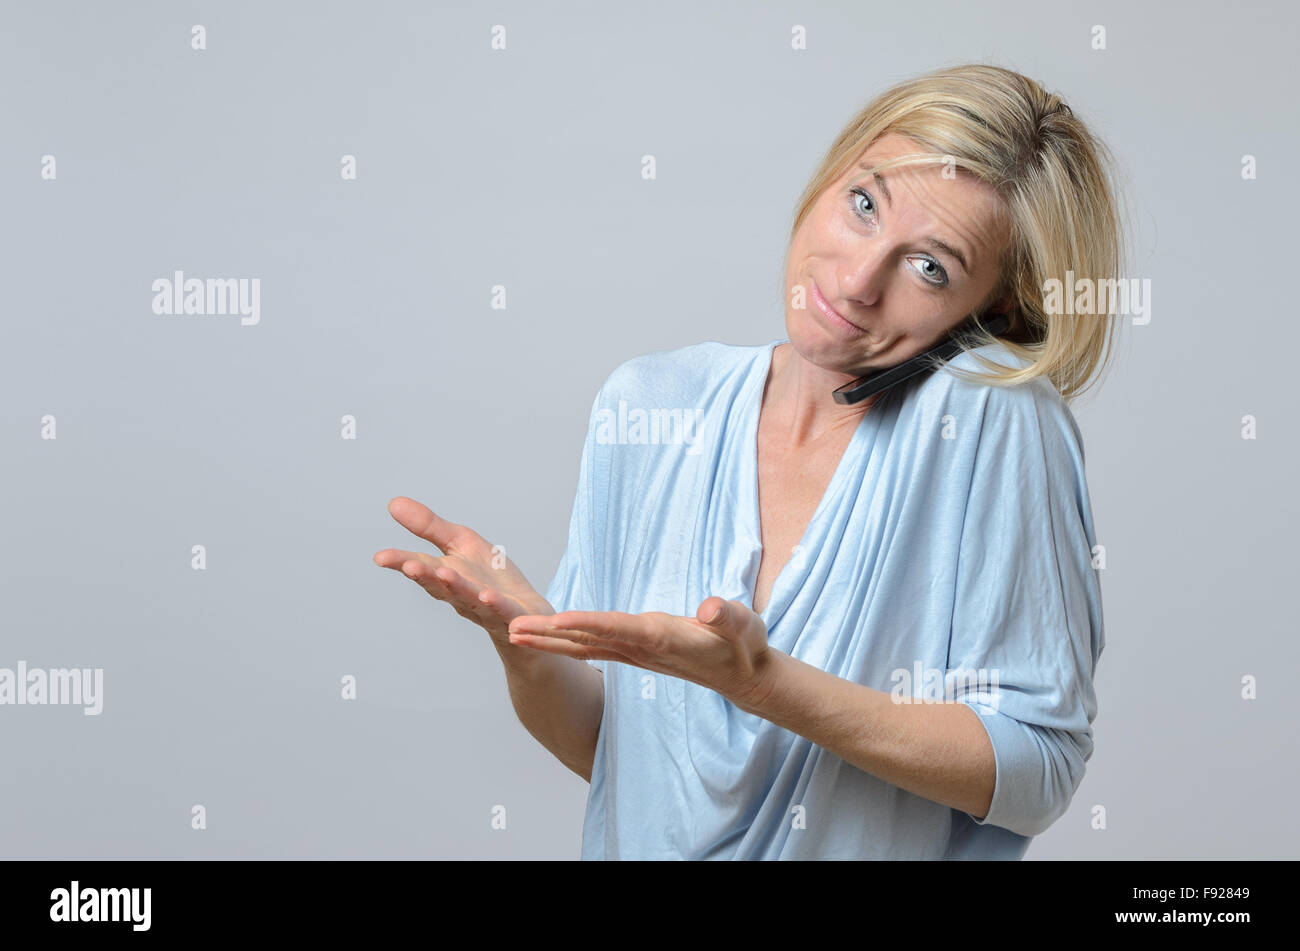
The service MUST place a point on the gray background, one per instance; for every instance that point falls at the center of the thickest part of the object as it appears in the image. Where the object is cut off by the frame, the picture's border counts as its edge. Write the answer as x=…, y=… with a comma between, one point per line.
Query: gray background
x=522, y=168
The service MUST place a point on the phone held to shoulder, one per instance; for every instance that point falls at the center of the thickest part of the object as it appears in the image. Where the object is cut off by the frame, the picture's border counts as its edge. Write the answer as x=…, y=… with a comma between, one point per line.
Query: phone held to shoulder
x=877, y=381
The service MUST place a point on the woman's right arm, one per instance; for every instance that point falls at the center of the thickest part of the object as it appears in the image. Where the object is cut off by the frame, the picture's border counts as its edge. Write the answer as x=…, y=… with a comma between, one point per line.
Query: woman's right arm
x=559, y=700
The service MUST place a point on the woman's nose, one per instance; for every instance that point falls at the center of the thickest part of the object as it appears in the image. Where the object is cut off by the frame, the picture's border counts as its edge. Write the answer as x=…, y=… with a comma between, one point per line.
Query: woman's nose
x=862, y=276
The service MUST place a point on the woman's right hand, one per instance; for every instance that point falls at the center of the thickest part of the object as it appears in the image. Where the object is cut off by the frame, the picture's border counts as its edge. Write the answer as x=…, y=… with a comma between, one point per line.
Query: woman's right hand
x=484, y=586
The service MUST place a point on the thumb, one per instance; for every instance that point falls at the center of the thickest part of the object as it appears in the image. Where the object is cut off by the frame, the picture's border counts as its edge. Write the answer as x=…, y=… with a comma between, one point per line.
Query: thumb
x=713, y=614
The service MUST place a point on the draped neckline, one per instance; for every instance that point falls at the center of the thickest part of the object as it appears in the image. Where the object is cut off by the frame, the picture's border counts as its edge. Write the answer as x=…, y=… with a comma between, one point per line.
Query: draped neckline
x=786, y=582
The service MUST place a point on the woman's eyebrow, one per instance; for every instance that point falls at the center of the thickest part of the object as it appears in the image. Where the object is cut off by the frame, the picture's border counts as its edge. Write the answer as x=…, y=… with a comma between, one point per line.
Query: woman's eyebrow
x=934, y=242
x=948, y=249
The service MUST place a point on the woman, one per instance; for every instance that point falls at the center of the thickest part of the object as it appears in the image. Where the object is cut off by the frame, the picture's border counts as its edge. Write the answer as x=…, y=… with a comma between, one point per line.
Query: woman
x=820, y=630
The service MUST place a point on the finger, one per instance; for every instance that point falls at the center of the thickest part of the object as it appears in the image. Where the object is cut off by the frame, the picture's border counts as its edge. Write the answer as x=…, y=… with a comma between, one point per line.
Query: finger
x=447, y=585
x=429, y=573
x=471, y=600
x=421, y=520
x=396, y=557
x=422, y=569
x=610, y=626
x=713, y=611
x=457, y=584
x=504, y=607
x=596, y=632
x=415, y=565
x=566, y=648
x=418, y=570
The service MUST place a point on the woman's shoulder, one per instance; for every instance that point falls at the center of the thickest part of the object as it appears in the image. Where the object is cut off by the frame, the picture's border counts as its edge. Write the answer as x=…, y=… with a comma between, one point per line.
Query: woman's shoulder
x=1038, y=390
x=1035, y=406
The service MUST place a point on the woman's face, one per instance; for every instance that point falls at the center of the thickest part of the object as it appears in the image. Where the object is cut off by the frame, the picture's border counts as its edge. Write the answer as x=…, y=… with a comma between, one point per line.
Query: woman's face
x=865, y=252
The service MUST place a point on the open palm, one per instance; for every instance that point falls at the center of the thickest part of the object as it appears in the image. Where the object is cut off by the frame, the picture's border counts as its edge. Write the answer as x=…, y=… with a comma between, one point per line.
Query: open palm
x=472, y=575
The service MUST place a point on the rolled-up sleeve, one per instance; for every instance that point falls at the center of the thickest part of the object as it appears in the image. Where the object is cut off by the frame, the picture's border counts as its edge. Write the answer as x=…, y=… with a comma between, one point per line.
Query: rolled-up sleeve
x=1027, y=622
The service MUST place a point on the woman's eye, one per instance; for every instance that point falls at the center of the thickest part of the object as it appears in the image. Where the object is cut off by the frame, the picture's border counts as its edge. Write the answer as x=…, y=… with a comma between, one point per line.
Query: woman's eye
x=857, y=206
x=937, y=275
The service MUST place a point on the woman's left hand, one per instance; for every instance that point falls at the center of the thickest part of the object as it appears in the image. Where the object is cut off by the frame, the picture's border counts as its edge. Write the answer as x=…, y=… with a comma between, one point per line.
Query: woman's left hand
x=728, y=653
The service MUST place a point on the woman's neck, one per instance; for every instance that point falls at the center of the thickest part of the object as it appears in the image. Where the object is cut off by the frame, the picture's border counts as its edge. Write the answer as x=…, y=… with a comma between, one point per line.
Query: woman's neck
x=798, y=404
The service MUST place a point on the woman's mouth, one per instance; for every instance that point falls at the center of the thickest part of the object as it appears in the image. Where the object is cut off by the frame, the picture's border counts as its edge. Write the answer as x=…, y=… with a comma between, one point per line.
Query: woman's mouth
x=832, y=314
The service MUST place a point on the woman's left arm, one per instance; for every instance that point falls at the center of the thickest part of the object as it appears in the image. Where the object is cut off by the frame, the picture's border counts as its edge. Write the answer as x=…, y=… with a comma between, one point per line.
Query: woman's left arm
x=939, y=751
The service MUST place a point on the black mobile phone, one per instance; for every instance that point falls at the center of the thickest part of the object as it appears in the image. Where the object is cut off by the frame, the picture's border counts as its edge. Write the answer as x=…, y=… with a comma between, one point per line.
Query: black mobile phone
x=879, y=380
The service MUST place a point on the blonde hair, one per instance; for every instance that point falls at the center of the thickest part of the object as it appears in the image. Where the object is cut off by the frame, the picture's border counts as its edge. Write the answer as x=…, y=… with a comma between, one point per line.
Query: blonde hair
x=1055, y=184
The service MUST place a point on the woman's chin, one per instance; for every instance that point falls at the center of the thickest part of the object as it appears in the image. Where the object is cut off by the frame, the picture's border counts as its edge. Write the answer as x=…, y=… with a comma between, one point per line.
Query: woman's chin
x=821, y=347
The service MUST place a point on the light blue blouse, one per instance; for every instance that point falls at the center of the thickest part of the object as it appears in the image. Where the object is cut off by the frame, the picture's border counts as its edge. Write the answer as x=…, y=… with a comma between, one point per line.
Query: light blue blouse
x=950, y=559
